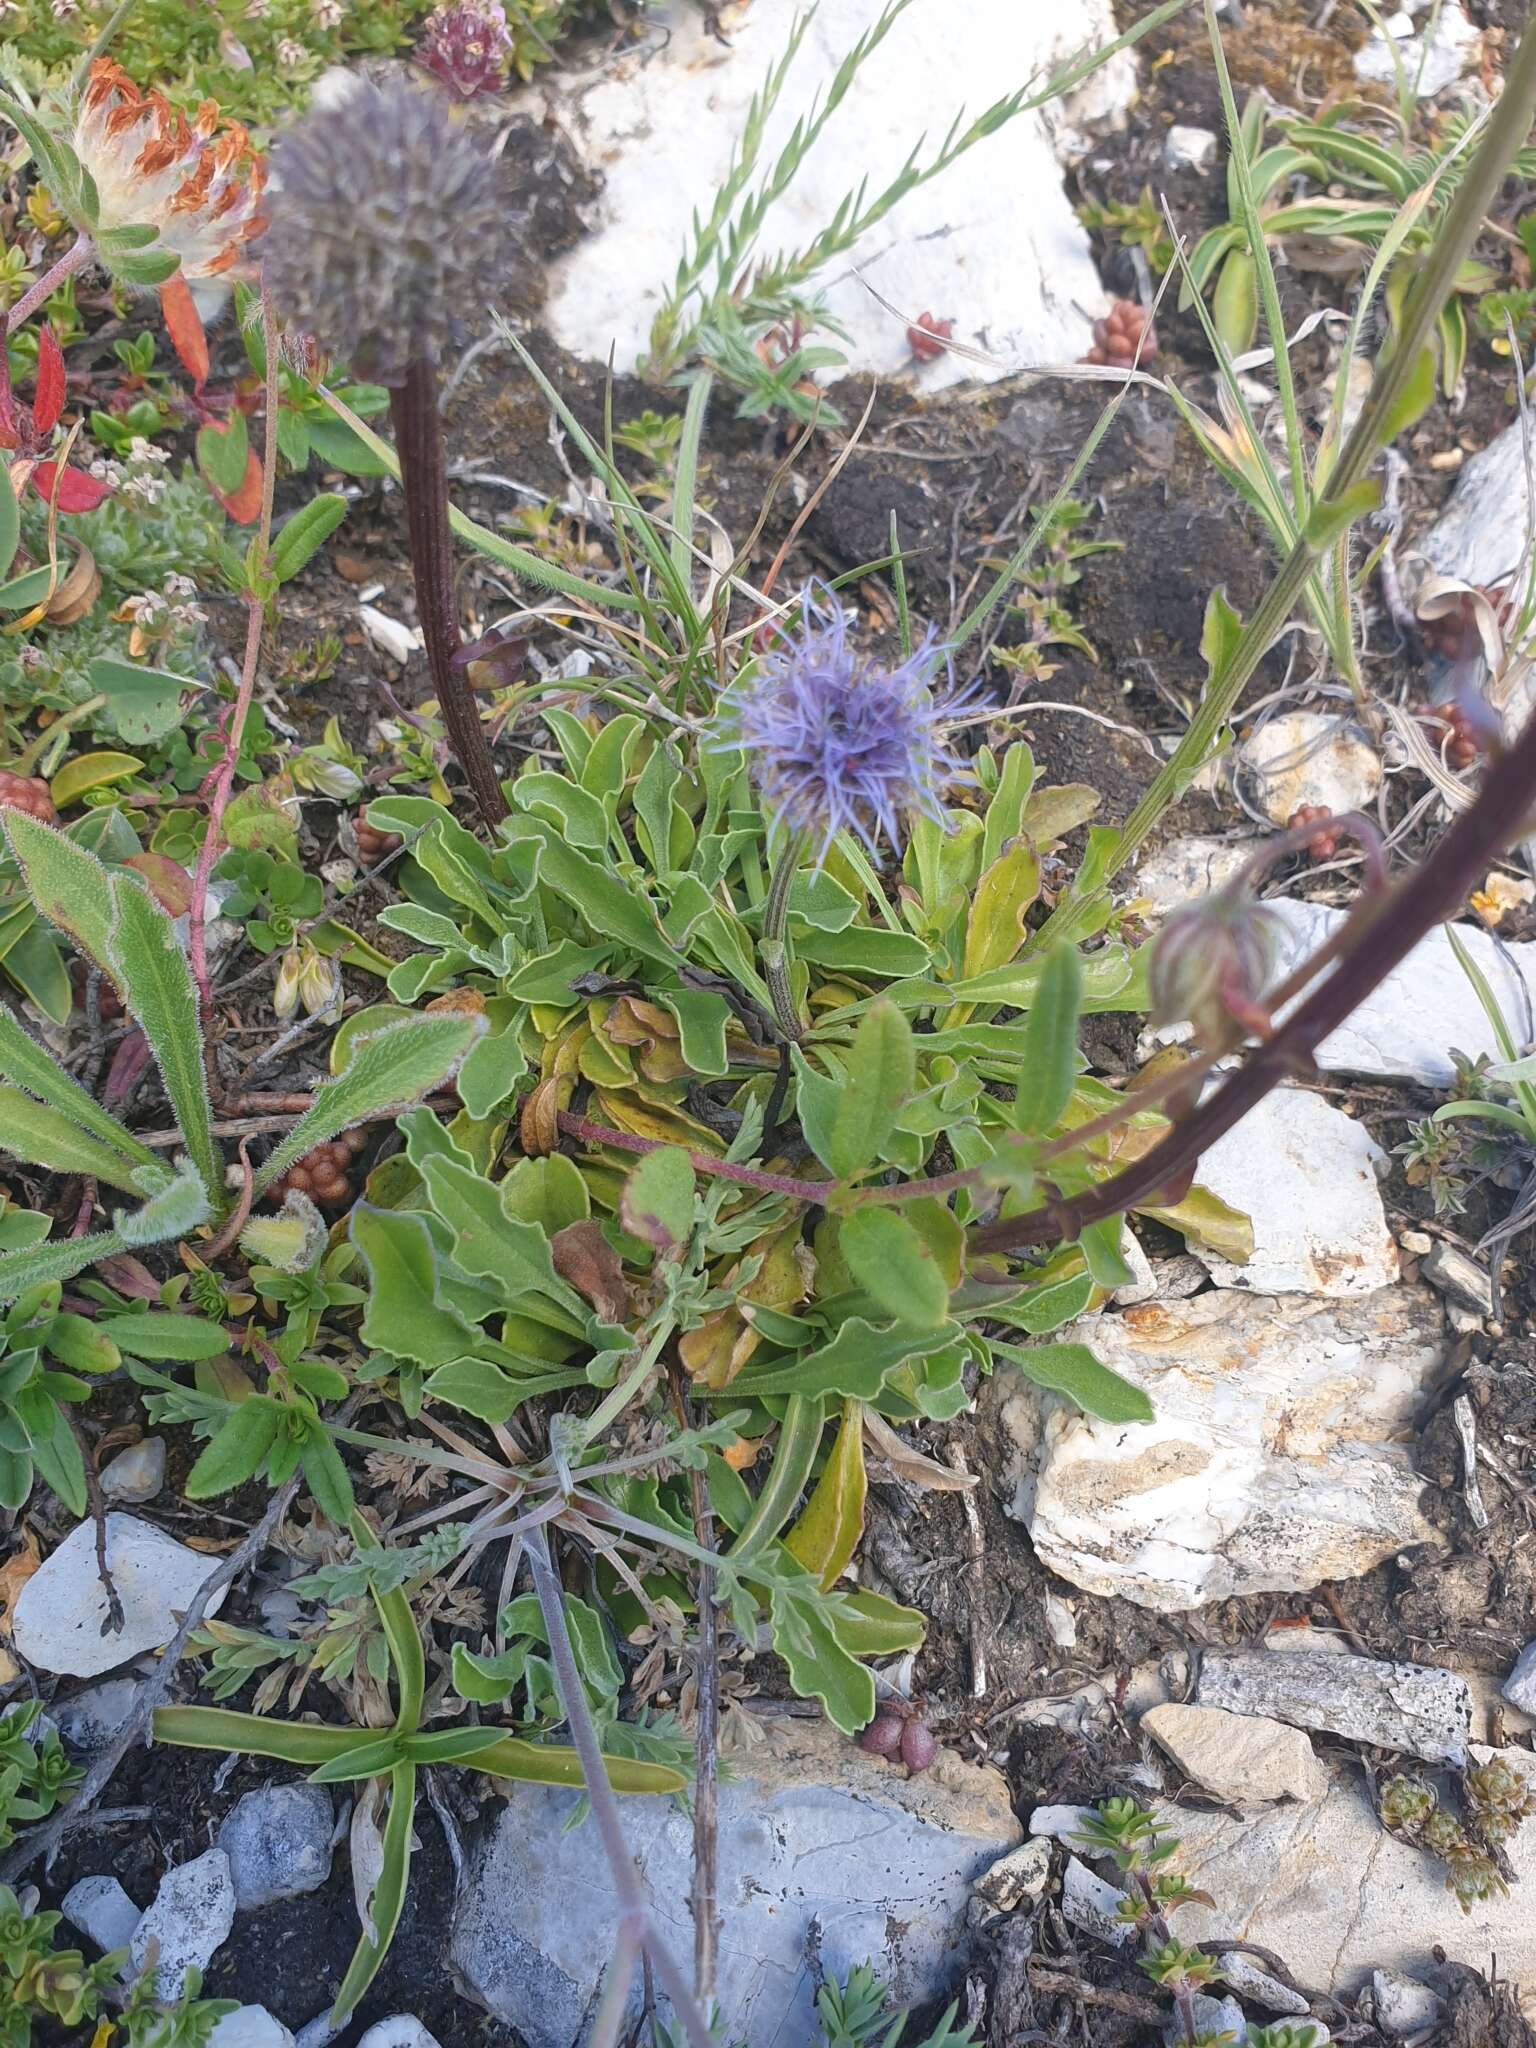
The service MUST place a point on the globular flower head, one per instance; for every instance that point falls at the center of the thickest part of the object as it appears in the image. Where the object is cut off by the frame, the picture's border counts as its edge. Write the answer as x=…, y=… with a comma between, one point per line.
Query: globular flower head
x=467, y=45
x=388, y=232
x=835, y=740
x=197, y=183
x=1211, y=963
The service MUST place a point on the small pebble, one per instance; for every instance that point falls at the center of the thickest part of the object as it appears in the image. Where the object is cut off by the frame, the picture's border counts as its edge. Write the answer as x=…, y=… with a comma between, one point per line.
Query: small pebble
x=90, y=1720
x=403, y=2031
x=137, y=1474
x=190, y=1919
x=278, y=1841
x=250, y=2026
x=102, y=1911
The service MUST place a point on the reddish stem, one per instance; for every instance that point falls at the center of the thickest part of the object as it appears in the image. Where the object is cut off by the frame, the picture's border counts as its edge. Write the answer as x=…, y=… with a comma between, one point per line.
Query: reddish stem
x=75, y=258
x=224, y=774
x=1384, y=931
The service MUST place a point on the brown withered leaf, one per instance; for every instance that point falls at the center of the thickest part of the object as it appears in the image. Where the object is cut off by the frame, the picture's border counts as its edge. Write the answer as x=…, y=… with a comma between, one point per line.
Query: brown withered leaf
x=911, y=1465
x=585, y=1260
x=14, y=1574
x=721, y=1345
x=651, y=1032
x=538, y=1127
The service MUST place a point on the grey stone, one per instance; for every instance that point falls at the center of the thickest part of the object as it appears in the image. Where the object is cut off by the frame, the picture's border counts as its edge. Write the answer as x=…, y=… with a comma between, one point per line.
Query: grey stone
x=1022, y=1874
x=1407, y=1025
x=1329, y=1889
x=1092, y=1905
x=250, y=2026
x=1189, y=149
x=192, y=1914
x=1459, y=1276
x=1430, y=62
x=1520, y=1686
x=1211, y=2016
x=61, y=1610
x=1240, y=1759
x=1404, y=2006
x=1412, y=1707
x=813, y=1830
x=1186, y=869
x=137, y=1474
x=1244, y=1975
x=1060, y=1823
x=102, y=1911
x=403, y=2031
x=1482, y=535
x=91, y=1719
x=278, y=1841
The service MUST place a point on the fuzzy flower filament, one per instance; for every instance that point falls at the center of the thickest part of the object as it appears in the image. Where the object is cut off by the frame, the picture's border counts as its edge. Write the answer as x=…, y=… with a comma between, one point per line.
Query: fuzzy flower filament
x=836, y=741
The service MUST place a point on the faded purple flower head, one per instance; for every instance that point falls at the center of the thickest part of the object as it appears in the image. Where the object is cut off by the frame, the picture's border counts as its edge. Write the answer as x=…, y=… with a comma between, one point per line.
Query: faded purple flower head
x=466, y=44
x=389, y=230
x=837, y=742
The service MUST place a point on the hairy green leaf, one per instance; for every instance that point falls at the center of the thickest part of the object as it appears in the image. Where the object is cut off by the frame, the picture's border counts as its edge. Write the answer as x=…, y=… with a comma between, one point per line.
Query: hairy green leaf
x=159, y=991
x=895, y=1266
x=1072, y=1369
x=40, y=1135
x=1044, y=1086
x=390, y=1069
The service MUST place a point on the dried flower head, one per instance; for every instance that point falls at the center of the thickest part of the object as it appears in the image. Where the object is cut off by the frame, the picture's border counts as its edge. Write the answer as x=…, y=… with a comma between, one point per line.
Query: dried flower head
x=467, y=45
x=837, y=742
x=198, y=184
x=1212, y=961
x=388, y=230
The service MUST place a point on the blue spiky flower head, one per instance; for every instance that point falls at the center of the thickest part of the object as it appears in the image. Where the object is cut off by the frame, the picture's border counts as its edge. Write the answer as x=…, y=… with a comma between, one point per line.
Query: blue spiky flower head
x=837, y=741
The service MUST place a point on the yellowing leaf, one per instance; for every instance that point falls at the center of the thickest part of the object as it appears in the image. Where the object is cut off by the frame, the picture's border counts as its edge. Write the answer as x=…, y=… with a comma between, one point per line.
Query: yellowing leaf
x=824, y=1538
x=77, y=778
x=1209, y=1221
x=995, y=929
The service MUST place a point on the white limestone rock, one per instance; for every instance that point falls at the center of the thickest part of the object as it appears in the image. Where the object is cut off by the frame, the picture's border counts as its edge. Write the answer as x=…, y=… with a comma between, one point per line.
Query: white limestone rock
x=189, y=1921
x=1305, y=1175
x=662, y=119
x=1274, y=1459
x=1305, y=757
x=1241, y=1759
x=59, y=1615
x=1429, y=62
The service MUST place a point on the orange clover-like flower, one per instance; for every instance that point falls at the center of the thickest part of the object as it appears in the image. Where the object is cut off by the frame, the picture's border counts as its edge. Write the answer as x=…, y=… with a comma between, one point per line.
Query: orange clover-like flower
x=197, y=183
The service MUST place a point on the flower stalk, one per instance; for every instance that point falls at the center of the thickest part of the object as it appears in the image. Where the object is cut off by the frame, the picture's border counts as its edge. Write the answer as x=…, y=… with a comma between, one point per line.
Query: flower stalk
x=773, y=949
x=418, y=425
x=75, y=259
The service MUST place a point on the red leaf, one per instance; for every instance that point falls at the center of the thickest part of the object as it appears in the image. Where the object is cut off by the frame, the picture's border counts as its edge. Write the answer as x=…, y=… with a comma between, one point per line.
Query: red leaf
x=77, y=491
x=244, y=505
x=48, y=402
x=169, y=882
x=184, y=325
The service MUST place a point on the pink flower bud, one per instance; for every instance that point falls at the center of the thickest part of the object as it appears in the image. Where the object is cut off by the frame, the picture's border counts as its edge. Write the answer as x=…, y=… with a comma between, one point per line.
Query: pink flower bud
x=1211, y=964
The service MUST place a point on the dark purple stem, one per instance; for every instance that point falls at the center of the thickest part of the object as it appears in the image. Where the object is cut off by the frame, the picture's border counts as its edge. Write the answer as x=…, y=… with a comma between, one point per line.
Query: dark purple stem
x=418, y=428
x=1388, y=926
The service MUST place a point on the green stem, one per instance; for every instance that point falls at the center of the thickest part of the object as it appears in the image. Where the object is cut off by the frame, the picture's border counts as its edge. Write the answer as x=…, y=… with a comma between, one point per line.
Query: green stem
x=773, y=948
x=1380, y=420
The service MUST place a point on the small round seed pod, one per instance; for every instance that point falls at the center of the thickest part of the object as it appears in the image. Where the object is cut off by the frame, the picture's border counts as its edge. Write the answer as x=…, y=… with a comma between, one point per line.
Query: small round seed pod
x=1461, y=745
x=1324, y=843
x=883, y=1736
x=919, y=1745
x=28, y=793
x=323, y=1174
x=1123, y=331
x=373, y=844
